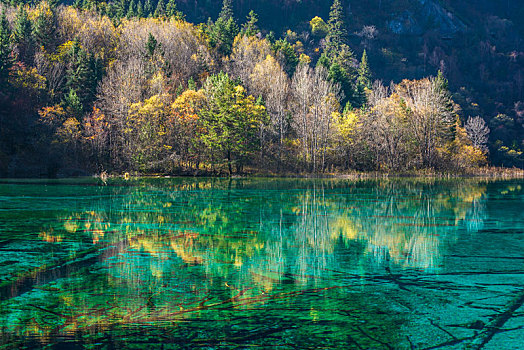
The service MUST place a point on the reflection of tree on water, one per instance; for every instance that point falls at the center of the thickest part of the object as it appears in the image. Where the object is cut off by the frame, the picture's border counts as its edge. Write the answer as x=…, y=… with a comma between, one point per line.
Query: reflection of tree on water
x=217, y=249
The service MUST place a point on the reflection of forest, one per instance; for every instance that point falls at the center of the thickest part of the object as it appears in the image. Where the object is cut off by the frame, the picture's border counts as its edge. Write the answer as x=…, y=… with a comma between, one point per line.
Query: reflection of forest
x=189, y=248
x=287, y=227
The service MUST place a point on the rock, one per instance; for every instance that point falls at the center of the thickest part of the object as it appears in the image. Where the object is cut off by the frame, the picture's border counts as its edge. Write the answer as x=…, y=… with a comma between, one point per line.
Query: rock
x=428, y=15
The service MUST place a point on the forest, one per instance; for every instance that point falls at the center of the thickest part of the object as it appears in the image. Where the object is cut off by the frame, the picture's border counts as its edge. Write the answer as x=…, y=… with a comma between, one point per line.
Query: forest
x=134, y=86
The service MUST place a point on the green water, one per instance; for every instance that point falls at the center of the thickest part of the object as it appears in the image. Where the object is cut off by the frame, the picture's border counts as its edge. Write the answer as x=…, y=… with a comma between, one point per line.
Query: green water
x=262, y=263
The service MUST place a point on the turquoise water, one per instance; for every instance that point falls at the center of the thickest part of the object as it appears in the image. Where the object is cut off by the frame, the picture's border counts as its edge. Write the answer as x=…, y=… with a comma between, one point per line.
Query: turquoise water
x=267, y=263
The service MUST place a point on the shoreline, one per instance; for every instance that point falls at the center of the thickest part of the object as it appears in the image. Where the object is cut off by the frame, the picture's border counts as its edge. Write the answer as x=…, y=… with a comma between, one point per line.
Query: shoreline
x=489, y=173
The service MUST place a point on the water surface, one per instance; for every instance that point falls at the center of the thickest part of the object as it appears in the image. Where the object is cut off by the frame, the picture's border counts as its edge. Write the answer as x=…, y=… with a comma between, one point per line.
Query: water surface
x=246, y=263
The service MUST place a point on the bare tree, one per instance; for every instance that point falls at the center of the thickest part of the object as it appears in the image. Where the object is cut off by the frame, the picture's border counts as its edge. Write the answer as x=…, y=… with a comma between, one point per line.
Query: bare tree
x=478, y=132
x=123, y=85
x=271, y=82
x=430, y=113
x=315, y=100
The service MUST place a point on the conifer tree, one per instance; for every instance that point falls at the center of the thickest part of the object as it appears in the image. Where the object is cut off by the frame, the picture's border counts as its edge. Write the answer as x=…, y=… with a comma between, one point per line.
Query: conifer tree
x=171, y=10
x=5, y=51
x=45, y=25
x=131, y=10
x=160, y=10
x=227, y=10
x=222, y=33
x=151, y=45
x=83, y=75
x=364, y=73
x=140, y=9
x=122, y=8
x=23, y=34
x=148, y=8
x=337, y=33
x=250, y=28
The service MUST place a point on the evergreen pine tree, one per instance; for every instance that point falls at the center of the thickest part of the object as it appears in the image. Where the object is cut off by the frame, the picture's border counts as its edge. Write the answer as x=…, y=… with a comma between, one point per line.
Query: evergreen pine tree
x=160, y=10
x=23, y=35
x=148, y=8
x=83, y=74
x=227, y=10
x=6, y=61
x=171, y=10
x=151, y=45
x=72, y=104
x=140, y=9
x=191, y=85
x=250, y=28
x=131, y=10
x=45, y=26
x=364, y=73
x=122, y=8
x=337, y=33
x=222, y=33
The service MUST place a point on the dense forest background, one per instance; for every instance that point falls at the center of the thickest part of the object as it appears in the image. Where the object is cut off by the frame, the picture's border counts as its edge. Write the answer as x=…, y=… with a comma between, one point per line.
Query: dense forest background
x=282, y=86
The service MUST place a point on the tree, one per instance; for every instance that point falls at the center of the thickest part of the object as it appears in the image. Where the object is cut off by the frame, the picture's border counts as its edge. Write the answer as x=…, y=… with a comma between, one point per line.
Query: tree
x=315, y=100
x=269, y=81
x=123, y=6
x=23, y=35
x=171, y=10
x=151, y=45
x=45, y=30
x=250, y=28
x=131, y=10
x=184, y=139
x=319, y=28
x=148, y=8
x=145, y=134
x=6, y=61
x=140, y=9
x=230, y=123
x=337, y=33
x=221, y=35
x=73, y=105
x=247, y=52
x=286, y=55
x=364, y=74
x=83, y=74
x=478, y=132
x=227, y=10
x=160, y=10
x=431, y=116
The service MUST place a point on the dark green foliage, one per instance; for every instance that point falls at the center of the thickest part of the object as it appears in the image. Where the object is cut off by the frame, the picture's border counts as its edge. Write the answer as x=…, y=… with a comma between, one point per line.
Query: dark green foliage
x=23, y=35
x=160, y=10
x=230, y=123
x=148, y=8
x=172, y=11
x=337, y=74
x=221, y=35
x=72, y=104
x=139, y=9
x=364, y=73
x=45, y=29
x=123, y=6
x=227, y=10
x=286, y=54
x=82, y=76
x=5, y=52
x=337, y=31
x=151, y=45
x=131, y=10
x=250, y=28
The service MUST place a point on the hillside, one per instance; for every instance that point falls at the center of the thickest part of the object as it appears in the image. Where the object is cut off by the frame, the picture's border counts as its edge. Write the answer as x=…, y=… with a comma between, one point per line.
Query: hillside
x=179, y=86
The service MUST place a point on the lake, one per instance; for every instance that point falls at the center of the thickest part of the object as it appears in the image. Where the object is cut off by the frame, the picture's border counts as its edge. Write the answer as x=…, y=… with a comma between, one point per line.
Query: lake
x=262, y=263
